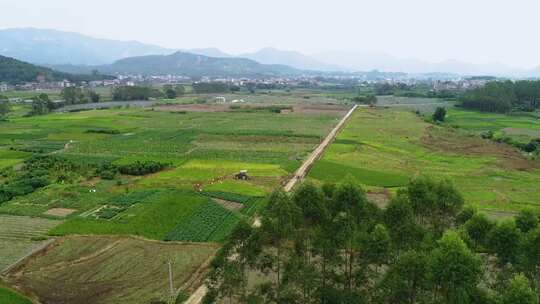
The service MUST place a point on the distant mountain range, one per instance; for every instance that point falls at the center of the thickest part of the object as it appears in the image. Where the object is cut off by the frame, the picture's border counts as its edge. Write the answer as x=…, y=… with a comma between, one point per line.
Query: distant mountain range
x=369, y=61
x=380, y=61
x=295, y=59
x=186, y=64
x=65, y=49
x=50, y=47
x=13, y=71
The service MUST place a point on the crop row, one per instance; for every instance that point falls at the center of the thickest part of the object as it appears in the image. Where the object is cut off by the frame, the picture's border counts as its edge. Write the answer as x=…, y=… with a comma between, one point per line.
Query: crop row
x=208, y=220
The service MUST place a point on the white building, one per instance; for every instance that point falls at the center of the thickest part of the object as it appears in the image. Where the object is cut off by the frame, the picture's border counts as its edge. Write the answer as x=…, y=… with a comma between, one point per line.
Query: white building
x=220, y=99
x=3, y=87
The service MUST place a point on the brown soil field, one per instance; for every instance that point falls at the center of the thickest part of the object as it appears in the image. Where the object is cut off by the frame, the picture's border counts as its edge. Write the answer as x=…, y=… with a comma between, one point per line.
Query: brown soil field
x=228, y=204
x=195, y=108
x=321, y=109
x=87, y=269
x=300, y=108
x=519, y=131
x=448, y=140
x=61, y=212
x=381, y=199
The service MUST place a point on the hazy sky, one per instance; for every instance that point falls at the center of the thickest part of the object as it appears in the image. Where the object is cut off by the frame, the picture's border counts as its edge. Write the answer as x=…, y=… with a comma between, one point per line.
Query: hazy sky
x=477, y=31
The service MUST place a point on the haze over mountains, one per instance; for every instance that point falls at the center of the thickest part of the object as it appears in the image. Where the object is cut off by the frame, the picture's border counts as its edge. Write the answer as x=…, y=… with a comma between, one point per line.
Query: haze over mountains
x=185, y=64
x=52, y=47
x=61, y=49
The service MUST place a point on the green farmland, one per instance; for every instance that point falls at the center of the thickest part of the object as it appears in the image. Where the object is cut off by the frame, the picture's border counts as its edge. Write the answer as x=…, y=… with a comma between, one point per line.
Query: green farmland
x=202, y=151
x=521, y=127
x=9, y=296
x=384, y=148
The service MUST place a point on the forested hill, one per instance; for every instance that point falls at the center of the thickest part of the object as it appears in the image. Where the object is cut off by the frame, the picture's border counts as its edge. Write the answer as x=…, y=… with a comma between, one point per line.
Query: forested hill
x=187, y=64
x=13, y=71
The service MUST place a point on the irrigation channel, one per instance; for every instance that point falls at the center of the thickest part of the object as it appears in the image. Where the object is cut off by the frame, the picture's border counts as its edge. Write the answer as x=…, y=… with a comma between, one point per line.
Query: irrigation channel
x=198, y=295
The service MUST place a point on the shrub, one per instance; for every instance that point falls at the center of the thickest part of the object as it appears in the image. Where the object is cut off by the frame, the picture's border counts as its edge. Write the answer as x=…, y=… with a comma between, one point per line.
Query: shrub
x=440, y=114
x=487, y=134
x=181, y=297
x=103, y=131
x=142, y=168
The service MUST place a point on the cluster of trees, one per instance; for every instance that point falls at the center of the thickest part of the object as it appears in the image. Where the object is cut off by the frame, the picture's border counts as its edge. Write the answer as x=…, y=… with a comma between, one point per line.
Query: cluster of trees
x=439, y=114
x=444, y=94
x=210, y=87
x=129, y=93
x=42, y=104
x=138, y=168
x=76, y=95
x=332, y=245
x=172, y=92
x=384, y=89
x=368, y=99
x=504, y=96
x=37, y=171
x=142, y=167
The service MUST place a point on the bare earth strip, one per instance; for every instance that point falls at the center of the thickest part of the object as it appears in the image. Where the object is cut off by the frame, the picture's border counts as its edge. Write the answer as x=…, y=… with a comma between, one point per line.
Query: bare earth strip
x=199, y=294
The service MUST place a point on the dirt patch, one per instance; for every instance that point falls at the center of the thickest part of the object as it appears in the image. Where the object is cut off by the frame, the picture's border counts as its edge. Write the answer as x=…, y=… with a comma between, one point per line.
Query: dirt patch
x=321, y=109
x=228, y=204
x=195, y=108
x=448, y=140
x=60, y=212
x=381, y=199
x=520, y=131
x=500, y=215
x=301, y=109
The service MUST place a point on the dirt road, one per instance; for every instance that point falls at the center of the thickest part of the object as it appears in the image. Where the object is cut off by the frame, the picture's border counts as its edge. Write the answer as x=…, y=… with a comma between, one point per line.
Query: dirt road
x=317, y=153
x=199, y=294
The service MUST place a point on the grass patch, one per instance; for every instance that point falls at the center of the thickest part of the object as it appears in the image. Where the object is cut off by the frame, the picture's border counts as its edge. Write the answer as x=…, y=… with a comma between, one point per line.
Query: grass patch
x=333, y=172
x=8, y=296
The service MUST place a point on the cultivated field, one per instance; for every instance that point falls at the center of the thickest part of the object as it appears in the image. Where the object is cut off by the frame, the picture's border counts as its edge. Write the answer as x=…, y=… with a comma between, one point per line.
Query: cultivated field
x=422, y=105
x=19, y=235
x=204, y=150
x=196, y=198
x=384, y=148
x=110, y=270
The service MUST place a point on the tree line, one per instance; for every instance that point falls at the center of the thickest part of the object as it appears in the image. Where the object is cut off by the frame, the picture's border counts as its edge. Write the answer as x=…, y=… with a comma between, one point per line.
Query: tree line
x=130, y=93
x=504, y=96
x=330, y=244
